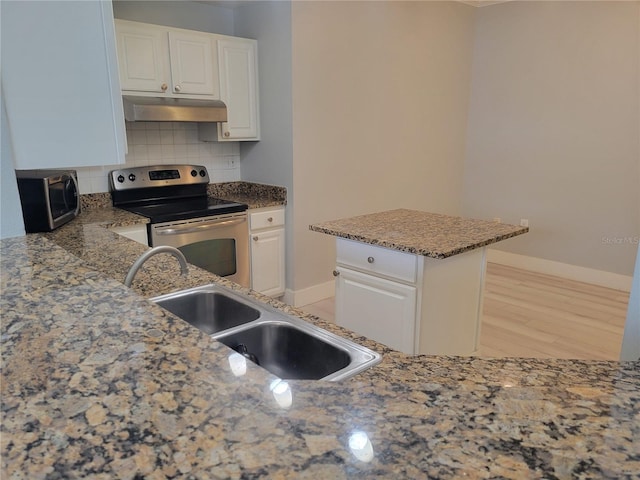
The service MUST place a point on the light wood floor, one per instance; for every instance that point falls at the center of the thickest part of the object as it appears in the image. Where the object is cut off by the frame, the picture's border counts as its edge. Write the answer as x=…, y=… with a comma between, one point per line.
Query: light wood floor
x=528, y=314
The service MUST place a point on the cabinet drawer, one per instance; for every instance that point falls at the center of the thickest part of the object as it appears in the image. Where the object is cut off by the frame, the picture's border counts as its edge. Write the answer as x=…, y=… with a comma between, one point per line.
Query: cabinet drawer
x=377, y=260
x=266, y=219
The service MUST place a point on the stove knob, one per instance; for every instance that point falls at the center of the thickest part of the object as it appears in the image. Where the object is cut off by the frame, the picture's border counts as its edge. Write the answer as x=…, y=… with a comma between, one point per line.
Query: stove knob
x=194, y=173
x=202, y=173
x=132, y=177
x=120, y=178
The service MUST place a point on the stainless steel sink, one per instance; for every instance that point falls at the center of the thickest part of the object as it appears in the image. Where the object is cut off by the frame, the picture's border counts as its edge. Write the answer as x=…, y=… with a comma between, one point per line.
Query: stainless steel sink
x=208, y=309
x=302, y=351
x=285, y=345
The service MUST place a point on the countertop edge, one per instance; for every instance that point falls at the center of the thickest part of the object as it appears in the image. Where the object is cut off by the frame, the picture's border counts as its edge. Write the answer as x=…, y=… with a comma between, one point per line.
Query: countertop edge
x=412, y=249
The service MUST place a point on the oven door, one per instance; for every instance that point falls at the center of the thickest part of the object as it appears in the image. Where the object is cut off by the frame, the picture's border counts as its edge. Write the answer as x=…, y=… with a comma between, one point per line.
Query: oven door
x=219, y=244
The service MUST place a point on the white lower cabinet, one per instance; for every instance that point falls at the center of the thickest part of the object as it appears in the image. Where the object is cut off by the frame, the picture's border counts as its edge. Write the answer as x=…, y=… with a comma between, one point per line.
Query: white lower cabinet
x=363, y=298
x=266, y=239
x=409, y=302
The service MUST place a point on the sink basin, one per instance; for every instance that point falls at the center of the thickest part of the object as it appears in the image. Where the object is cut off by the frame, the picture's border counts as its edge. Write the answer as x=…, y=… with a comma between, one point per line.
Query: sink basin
x=208, y=310
x=285, y=345
x=288, y=351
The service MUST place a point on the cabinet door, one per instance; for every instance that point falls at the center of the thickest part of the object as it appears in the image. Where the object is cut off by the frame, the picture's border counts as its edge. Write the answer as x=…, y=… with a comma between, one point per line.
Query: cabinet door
x=193, y=71
x=267, y=262
x=238, y=63
x=60, y=84
x=142, y=55
x=377, y=308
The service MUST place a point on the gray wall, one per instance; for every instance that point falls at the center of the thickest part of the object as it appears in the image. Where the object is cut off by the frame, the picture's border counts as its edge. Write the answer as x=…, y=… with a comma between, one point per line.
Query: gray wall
x=11, y=222
x=553, y=129
x=270, y=161
x=380, y=102
x=178, y=14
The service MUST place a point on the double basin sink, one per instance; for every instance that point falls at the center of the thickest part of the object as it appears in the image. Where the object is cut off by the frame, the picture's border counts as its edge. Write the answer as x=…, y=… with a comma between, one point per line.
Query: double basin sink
x=282, y=344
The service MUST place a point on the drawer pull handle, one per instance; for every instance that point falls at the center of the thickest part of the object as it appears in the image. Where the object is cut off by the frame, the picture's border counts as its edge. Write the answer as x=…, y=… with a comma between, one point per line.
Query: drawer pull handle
x=255, y=238
x=270, y=219
x=370, y=259
x=336, y=273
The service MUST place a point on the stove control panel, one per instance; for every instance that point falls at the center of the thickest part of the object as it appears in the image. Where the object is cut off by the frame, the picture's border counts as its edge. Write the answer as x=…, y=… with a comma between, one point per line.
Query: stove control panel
x=157, y=176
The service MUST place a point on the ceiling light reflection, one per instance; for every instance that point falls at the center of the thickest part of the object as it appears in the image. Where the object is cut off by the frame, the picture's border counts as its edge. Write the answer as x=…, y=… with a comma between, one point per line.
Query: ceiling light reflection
x=282, y=393
x=238, y=364
x=360, y=446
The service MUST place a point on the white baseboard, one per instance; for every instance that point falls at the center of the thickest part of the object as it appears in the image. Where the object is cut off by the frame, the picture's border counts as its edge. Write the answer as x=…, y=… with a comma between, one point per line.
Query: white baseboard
x=313, y=294
x=559, y=269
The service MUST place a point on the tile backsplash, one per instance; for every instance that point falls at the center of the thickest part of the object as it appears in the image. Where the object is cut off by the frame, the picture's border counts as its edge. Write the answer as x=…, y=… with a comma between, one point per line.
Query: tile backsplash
x=163, y=143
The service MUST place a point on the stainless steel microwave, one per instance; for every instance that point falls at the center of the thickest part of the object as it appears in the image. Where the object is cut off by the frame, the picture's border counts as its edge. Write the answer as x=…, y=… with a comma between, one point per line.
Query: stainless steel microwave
x=49, y=198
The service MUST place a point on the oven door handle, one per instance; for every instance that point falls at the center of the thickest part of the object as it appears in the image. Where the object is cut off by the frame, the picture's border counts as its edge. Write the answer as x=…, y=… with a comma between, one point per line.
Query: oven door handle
x=197, y=228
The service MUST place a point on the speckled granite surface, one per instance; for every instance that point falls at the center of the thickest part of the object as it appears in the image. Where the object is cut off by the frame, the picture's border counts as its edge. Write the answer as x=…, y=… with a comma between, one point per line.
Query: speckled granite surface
x=99, y=383
x=90, y=201
x=256, y=195
x=428, y=234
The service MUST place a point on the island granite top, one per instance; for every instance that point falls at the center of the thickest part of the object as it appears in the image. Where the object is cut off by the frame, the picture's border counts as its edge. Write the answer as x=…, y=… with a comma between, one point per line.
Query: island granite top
x=422, y=233
x=97, y=382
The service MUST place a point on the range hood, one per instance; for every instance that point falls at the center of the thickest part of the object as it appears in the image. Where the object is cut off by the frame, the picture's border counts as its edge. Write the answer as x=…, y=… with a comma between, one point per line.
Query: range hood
x=159, y=109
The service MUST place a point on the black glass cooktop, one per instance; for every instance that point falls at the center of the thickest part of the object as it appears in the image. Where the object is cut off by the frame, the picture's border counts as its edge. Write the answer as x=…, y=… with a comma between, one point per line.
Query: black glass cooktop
x=184, y=209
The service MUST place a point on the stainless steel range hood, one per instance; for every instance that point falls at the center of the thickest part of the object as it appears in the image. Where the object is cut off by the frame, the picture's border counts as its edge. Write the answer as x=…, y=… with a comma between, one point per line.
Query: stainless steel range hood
x=158, y=109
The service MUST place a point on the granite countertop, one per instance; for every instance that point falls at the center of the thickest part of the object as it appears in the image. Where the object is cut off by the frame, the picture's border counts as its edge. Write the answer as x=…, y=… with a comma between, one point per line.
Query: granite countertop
x=255, y=195
x=98, y=382
x=422, y=233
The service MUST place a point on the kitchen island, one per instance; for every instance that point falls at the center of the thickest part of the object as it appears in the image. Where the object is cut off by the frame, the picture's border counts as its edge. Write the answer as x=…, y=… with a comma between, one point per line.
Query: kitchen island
x=97, y=382
x=413, y=280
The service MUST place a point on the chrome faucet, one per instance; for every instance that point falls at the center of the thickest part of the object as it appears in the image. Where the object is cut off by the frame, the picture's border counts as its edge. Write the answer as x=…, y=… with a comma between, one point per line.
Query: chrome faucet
x=150, y=253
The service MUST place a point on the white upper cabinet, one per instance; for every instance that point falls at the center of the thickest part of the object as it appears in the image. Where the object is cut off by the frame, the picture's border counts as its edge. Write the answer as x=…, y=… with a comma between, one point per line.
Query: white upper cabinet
x=168, y=61
x=60, y=84
x=193, y=70
x=238, y=61
x=156, y=60
x=142, y=55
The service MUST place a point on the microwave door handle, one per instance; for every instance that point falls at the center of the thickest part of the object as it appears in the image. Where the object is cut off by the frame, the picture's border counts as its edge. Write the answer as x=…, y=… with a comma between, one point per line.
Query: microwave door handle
x=197, y=228
x=77, y=189
x=76, y=192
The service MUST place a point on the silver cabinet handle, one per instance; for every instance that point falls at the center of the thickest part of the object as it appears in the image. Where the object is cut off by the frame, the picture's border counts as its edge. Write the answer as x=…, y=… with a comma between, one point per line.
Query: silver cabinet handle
x=177, y=88
x=226, y=134
x=256, y=238
x=370, y=259
x=336, y=273
x=164, y=87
